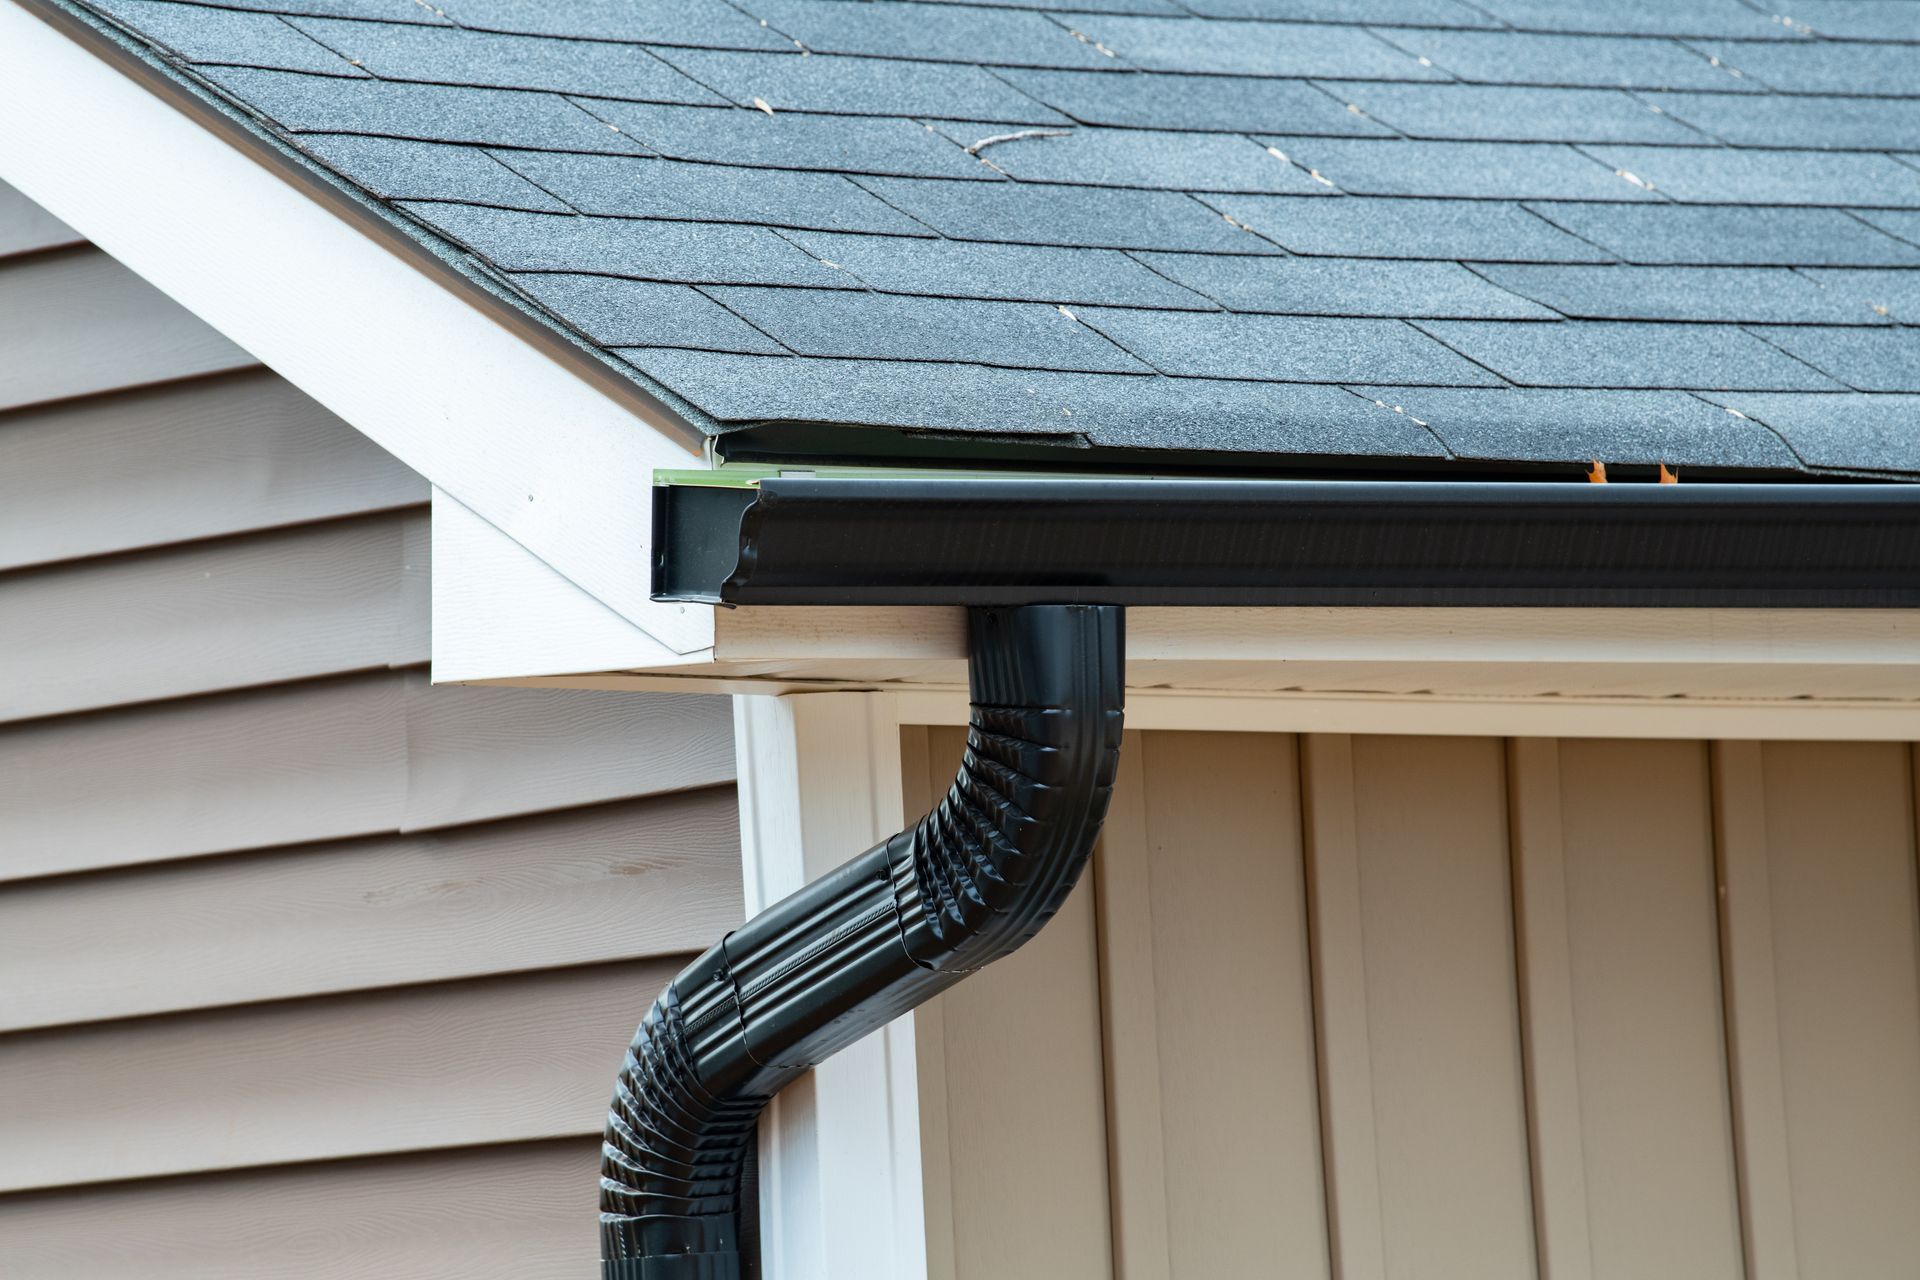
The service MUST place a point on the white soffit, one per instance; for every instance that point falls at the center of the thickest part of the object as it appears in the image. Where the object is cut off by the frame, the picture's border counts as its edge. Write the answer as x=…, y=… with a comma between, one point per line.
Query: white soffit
x=522, y=440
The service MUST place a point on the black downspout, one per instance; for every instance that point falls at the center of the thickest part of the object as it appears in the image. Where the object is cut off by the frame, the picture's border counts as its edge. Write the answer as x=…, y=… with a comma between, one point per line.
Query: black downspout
x=884, y=933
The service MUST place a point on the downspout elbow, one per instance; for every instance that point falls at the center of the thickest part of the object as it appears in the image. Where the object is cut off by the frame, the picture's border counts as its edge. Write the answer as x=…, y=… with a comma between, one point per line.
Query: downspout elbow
x=884, y=933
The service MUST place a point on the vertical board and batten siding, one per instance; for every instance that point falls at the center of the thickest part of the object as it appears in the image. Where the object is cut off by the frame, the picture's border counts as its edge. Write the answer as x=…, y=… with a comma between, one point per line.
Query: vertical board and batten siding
x=307, y=968
x=1376, y=1008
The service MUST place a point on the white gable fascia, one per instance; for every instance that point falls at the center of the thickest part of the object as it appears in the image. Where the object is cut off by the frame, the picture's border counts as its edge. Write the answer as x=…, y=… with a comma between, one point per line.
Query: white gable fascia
x=500, y=612
x=523, y=440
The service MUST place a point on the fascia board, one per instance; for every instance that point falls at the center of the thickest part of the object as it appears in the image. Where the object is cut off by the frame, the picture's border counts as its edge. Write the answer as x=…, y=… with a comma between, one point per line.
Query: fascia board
x=500, y=612
x=555, y=458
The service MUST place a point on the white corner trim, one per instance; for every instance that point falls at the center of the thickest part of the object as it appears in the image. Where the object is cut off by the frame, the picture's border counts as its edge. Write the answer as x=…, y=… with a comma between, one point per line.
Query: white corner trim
x=501, y=612
x=841, y=1186
x=526, y=443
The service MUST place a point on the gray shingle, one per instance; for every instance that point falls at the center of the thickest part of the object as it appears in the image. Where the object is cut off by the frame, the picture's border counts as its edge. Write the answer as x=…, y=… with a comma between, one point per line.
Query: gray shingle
x=931, y=33
x=1364, y=227
x=1860, y=19
x=1886, y=359
x=1285, y=348
x=381, y=10
x=1164, y=7
x=1901, y=225
x=1110, y=409
x=696, y=253
x=1250, y=48
x=861, y=86
x=1533, y=424
x=1289, y=418
x=222, y=36
x=1731, y=235
x=1506, y=113
x=1726, y=18
x=1764, y=150
x=969, y=269
x=642, y=313
x=446, y=55
x=709, y=24
x=1767, y=295
x=889, y=327
x=1783, y=120
x=1147, y=159
x=1822, y=66
x=1851, y=432
x=1150, y=100
x=1600, y=62
x=738, y=389
x=1476, y=170
x=1082, y=216
x=1414, y=13
x=395, y=169
x=1715, y=175
x=1344, y=287
x=1884, y=292
x=639, y=187
x=789, y=140
x=1606, y=353
x=427, y=112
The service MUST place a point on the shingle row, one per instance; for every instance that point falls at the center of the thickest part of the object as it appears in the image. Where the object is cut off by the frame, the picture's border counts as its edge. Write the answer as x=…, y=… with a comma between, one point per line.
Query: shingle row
x=1514, y=230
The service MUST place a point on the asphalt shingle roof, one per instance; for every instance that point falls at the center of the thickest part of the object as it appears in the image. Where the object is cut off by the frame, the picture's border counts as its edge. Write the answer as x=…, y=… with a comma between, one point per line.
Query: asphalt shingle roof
x=1432, y=233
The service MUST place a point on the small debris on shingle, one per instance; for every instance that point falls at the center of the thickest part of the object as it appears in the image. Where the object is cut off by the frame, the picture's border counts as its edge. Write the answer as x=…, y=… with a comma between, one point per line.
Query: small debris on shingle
x=995, y=140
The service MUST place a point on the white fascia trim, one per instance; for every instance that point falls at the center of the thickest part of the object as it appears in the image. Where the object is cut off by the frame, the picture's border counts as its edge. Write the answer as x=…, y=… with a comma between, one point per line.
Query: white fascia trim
x=841, y=1181
x=499, y=611
x=523, y=440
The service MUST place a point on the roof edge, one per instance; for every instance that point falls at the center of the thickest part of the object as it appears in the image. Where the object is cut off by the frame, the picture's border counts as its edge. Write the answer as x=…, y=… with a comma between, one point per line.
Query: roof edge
x=177, y=84
x=380, y=331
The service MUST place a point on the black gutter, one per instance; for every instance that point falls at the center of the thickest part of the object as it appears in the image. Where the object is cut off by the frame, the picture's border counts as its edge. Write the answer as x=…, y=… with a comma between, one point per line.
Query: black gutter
x=796, y=540
x=857, y=948
x=1047, y=566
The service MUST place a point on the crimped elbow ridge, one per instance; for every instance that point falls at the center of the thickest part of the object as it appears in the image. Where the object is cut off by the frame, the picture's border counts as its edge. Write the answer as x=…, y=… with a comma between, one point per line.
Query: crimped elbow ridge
x=884, y=933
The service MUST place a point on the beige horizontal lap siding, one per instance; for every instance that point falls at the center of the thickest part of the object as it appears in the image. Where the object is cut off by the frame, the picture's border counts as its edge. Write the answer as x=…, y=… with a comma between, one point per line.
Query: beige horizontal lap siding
x=640, y=877
x=27, y=228
x=459, y=1064
x=324, y=759
x=525, y=1211
x=202, y=617
x=307, y=967
x=130, y=333
x=231, y=454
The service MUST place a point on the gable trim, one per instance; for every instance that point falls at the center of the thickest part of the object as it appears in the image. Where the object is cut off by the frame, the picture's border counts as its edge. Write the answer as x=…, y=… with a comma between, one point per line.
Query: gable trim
x=553, y=459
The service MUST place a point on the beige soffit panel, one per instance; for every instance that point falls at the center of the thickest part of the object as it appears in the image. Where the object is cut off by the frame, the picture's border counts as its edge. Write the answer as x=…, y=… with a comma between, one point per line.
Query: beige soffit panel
x=1840, y=866
x=315, y=600
x=520, y=1212
x=1633, y=1138
x=1011, y=1053
x=1213, y=1103
x=350, y=756
x=133, y=333
x=492, y=1060
x=1423, y=1102
x=197, y=459
x=27, y=228
x=609, y=882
